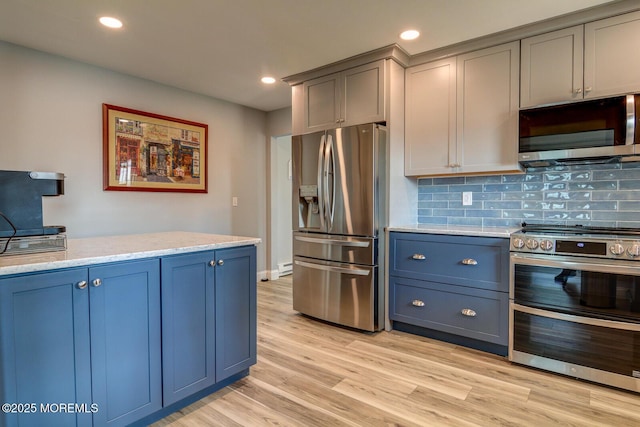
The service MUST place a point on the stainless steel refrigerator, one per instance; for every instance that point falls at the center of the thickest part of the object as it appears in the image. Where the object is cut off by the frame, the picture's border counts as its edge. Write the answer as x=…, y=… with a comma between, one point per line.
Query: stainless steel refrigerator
x=339, y=217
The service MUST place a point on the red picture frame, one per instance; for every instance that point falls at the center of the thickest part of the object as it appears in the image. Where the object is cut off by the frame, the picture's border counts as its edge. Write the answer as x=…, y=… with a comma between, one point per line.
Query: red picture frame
x=149, y=152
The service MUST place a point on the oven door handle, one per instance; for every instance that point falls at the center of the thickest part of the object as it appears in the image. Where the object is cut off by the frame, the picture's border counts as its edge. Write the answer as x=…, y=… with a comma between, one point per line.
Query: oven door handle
x=613, y=324
x=577, y=263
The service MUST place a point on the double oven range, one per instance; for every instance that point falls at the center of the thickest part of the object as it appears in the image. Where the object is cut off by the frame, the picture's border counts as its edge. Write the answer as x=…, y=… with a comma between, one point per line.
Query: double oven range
x=575, y=302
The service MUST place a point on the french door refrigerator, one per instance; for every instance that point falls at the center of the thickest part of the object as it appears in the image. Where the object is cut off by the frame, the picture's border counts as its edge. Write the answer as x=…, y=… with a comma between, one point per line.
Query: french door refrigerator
x=339, y=196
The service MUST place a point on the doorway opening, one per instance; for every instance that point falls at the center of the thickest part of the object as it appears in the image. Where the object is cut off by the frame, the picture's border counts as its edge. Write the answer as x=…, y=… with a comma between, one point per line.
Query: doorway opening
x=281, y=208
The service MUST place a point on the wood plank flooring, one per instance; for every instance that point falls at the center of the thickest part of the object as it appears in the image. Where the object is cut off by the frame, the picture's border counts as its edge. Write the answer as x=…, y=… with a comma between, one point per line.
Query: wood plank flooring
x=312, y=374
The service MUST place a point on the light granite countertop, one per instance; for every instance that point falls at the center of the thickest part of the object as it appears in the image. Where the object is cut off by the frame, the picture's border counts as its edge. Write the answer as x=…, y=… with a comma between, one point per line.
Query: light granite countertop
x=98, y=250
x=459, y=230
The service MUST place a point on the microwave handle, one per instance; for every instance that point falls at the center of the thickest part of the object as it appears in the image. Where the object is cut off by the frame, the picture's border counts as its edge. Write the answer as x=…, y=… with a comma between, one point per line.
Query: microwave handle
x=631, y=119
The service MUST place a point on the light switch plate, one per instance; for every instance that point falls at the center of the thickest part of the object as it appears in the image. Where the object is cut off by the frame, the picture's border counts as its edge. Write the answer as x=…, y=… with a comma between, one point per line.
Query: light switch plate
x=467, y=198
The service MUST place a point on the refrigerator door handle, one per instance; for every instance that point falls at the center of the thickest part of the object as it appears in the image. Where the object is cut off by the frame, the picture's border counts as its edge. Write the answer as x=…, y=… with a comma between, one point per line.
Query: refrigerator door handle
x=331, y=161
x=321, y=181
x=333, y=242
x=334, y=269
x=325, y=183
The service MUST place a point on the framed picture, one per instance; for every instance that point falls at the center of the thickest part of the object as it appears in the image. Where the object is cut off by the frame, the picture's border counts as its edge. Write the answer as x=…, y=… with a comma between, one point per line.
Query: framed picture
x=149, y=152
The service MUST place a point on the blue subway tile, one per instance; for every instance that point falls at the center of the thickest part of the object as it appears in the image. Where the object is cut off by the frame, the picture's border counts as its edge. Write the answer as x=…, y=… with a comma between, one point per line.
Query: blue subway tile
x=592, y=206
x=465, y=221
x=630, y=206
x=449, y=180
x=503, y=205
x=593, y=185
x=465, y=187
x=432, y=220
x=503, y=187
x=482, y=213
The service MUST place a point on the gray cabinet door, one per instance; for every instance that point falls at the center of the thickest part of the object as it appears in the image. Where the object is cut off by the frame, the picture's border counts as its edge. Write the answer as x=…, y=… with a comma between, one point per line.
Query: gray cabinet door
x=430, y=118
x=363, y=96
x=487, y=109
x=321, y=103
x=611, y=62
x=350, y=97
x=551, y=67
x=462, y=114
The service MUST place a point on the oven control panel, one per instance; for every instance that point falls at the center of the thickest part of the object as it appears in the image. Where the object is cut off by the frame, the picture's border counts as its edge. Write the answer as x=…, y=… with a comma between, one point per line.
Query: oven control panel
x=614, y=247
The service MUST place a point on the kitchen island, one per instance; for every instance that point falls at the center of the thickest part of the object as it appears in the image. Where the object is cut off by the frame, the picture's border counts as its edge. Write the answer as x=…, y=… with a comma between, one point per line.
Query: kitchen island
x=125, y=329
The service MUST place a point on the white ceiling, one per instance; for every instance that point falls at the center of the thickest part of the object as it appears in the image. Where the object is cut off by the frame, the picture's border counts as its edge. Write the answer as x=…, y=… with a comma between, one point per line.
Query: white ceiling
x=221, y=48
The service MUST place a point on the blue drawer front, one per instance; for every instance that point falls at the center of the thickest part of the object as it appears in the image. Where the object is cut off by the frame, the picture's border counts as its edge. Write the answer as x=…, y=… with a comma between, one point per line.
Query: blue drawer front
x=480, y=262
x=443, y=309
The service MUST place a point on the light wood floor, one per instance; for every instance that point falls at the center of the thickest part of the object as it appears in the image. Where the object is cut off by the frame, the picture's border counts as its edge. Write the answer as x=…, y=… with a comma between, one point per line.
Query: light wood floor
x=312, y=374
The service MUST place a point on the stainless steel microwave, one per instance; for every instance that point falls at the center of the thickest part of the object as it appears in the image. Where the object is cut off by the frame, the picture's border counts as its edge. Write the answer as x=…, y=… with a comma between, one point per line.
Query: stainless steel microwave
x=594, y=131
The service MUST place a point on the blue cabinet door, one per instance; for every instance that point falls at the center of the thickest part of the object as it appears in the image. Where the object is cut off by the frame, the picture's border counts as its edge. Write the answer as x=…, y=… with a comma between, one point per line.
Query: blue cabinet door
x=235, y=310
x=125, y=341
x=188, y=325
x=44, y=348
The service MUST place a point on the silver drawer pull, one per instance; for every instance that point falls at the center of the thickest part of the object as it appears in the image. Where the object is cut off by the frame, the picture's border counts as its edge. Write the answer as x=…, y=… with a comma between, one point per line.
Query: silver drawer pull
x=469, y=261
x=468, y=312
x=417, y=303
x=419, y=257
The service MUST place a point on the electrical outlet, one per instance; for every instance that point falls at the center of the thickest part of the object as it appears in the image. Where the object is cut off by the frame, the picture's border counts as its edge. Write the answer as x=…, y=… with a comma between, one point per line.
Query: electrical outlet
x=234, y=201
x=467, y=198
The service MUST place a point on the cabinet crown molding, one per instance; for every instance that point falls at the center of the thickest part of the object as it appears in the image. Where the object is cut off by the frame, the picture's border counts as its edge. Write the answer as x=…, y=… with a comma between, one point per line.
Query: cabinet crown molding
x=392, y=51
x=402, y=57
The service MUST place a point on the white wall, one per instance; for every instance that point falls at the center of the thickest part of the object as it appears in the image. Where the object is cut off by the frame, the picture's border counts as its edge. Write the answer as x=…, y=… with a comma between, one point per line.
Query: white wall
x=281, y=188
x=51, y=120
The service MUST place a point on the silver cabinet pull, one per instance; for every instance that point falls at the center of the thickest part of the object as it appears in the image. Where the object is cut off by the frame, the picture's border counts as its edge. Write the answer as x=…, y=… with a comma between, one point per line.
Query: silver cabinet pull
x=96, y=282
x=419, y=257
x=212, y=263
x=469, y=261
x=220, y=262
x=417, y=303
x=578, y=90
x=82, y=284
x=588, y=89
x=468, y=312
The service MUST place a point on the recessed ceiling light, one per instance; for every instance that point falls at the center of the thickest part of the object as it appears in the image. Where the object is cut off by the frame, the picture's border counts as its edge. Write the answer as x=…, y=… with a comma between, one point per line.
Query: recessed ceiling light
x=409, y=35
x=110, y=22
x=268, y=80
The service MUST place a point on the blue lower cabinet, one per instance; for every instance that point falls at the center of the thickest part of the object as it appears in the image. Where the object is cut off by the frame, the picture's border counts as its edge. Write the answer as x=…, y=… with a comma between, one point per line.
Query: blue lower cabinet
x=81, y=347
x=451, y=287
x=236, y=307
x=44, y=349
x=125, y=341
x=208, y=319
x=188, y=324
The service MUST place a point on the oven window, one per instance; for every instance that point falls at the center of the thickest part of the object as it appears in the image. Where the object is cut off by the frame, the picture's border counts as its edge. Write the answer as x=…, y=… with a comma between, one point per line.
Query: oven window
x=582, y=293
x=606, y=349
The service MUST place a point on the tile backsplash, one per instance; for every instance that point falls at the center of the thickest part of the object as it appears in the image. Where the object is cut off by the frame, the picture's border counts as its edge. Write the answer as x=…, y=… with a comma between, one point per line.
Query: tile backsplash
x=598, y=195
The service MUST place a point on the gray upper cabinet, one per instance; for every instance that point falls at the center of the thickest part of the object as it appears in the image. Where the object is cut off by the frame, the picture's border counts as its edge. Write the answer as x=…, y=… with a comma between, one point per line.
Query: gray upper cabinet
x=551, y=67
x=461, y=114
x=611, y=62
x=351, y=97
x=581, y=62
